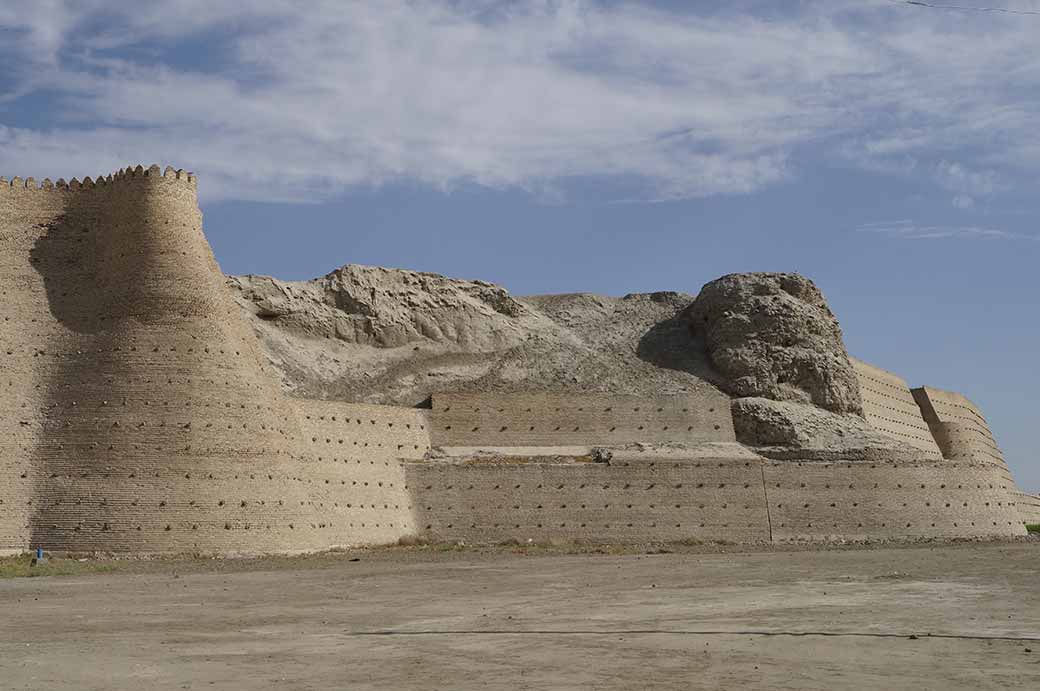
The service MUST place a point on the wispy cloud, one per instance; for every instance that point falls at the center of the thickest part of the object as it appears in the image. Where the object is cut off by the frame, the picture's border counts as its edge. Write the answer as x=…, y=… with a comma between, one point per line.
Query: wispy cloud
x=299, y=100
x=909, y=230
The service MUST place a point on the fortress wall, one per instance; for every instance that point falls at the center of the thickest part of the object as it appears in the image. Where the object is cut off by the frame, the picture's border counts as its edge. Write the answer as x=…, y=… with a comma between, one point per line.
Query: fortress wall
x=355, y=469
x=23, y=333
x=152, y=424
x=649, y=500
x=959, y=428
x=723, y=499
x=1028, y=508
x=890, y=407
x=857, y=501
x=136, y=414
x=542, y=419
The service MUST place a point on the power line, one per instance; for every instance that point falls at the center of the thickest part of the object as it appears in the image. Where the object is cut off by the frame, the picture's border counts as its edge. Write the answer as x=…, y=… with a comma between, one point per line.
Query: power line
x=963, y=8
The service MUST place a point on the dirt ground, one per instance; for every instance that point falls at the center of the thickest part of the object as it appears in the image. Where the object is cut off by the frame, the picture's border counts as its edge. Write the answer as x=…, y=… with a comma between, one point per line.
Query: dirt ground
x=932, y=617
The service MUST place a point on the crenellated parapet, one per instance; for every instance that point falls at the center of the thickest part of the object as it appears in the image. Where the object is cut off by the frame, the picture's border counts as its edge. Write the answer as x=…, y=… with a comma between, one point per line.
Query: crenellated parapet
x=130, y=174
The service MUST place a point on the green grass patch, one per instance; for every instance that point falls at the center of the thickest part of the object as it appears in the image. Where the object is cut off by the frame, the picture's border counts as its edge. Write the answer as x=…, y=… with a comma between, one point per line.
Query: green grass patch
x=21, y=566
x=1033, y=527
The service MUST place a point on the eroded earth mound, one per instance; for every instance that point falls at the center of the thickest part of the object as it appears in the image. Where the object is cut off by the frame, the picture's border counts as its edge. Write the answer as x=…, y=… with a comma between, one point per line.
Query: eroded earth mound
x=391, y=336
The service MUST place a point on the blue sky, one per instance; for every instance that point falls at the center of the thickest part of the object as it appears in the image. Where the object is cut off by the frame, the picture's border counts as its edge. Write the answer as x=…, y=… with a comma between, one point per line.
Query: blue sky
x=888, y=151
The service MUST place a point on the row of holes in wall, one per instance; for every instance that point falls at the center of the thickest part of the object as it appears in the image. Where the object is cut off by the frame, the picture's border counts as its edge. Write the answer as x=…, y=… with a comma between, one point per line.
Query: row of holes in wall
x=758, y=526
x=25, y=474
x=201, y=506
x=701, y=485
x=969, y=417
x=898, y=389
x=134, y=347
x=608, y=409
x=133, y=402
x=189, y=426
x=959, y=410
x=908, y=410
x=559, y=428
x=169, y=527
x=886, y=426
x=710, y=507
x=61, y=454
x=781, y=465
x=93, y=474
x=35, y=352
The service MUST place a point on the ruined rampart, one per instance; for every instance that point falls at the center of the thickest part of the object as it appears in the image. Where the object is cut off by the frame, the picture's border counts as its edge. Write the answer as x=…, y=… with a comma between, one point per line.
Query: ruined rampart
x=525, y=486
x=137, y=414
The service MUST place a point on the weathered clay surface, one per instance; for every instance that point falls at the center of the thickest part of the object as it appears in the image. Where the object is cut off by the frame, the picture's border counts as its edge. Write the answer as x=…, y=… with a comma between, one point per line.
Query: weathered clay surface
x=784, y=430
x=393, y=336
x=772, y=335
x=388, y=308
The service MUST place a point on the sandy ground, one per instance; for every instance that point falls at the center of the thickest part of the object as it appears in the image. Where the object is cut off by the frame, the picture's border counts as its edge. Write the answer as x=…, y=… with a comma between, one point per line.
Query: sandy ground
x=787, y=620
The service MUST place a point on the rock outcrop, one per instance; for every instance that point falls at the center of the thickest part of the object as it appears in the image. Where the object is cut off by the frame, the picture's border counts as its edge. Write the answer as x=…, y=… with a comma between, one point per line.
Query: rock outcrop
x=772, y=335
x=794, y=431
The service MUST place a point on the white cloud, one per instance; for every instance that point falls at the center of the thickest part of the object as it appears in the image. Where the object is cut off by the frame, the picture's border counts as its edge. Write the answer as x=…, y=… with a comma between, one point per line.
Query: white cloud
x=909, y=230
x=301, y=99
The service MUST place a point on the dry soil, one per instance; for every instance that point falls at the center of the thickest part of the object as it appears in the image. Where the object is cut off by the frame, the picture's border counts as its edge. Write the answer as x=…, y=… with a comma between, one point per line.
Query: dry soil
x=942, y=617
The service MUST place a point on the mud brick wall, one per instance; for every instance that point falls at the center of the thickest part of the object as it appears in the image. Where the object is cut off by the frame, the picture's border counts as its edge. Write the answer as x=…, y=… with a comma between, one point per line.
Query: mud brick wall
x=354, y=456
x=542, y=419
x=721, y=499
x=1028, y=508
x=856, y=501
x=889, y=406
x=959, y=427
x=138, y=415
x=629, y=501
x=23, y=328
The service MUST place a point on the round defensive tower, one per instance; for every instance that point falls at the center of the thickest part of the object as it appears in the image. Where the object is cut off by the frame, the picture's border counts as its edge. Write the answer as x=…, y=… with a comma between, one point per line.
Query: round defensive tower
x=155, y=427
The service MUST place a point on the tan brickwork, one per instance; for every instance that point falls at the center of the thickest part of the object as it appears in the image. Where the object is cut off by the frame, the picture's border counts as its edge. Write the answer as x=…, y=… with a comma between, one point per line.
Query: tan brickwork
x=890, y=407
x=1028, y=508
x=544, y=419
x=856, y=501
x=138, y=413
x=355, y=472
x=710, y=499
x=650, y=499
x=959, y=427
